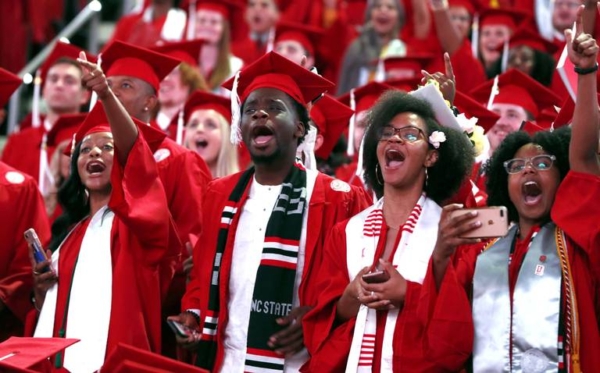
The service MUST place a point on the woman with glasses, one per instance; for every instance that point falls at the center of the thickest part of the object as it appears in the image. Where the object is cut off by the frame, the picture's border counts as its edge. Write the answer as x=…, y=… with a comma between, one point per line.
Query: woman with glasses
x=367, y=317
x=534, y=293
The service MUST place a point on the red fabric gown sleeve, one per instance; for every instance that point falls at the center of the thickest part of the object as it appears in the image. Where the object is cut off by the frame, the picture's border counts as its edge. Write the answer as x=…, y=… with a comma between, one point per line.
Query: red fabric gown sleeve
x=138, y=199
x=23, y=208
x=468, y=70
x=328, y=343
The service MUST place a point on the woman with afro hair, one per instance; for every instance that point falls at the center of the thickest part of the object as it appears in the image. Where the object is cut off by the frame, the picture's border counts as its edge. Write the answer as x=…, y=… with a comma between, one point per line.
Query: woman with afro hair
x=368, y=314
x=534, y=292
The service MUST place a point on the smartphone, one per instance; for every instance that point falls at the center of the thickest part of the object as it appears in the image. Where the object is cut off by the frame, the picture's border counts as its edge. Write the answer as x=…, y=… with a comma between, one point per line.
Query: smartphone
x=179, y=329
x=38, y=251
x=494, y=221
x=376, y=277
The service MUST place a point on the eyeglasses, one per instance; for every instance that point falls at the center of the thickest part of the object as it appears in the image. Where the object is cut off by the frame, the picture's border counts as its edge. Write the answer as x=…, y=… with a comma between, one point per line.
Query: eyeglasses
x=409, y=133
x=567, y=4
x=540, y=162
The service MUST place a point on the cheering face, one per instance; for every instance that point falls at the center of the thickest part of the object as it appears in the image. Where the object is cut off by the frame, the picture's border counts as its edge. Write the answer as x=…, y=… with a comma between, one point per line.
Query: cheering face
x=403, y=151
x=564, y=14
x=511, y=118
x=172, y=91
x=533, y=188
x=261, y=15
x=269, y=124
x=384, y=16
x=203, y=134
x=209, y=26
x=461, y=20
x=63, y=91
x=134, y=94
x=95, y=162
x=490, y=41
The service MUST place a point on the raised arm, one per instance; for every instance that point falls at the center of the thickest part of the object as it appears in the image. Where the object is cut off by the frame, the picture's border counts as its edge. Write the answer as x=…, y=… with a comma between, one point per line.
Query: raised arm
x=422, y=19
x=583, y=53
x=446, y=32
x=121, y=125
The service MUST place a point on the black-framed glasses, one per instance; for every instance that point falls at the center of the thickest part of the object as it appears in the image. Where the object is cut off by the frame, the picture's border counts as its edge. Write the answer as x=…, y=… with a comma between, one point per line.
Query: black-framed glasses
x=408, y=133
x=541, y=162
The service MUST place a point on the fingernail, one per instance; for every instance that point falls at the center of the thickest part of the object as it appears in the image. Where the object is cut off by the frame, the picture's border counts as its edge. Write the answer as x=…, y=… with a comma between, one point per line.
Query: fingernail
x=473, y=213
x=478, y=224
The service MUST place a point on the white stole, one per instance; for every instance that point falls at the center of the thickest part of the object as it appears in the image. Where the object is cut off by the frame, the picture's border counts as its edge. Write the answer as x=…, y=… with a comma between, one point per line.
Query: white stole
x=90, y=298
x=411, y=260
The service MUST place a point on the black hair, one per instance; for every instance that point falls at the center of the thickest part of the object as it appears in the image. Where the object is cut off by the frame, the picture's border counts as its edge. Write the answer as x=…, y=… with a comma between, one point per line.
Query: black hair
x=455, y=154
x=542, y=70
x=68, y=61
x=555, y=143
x=74, y=202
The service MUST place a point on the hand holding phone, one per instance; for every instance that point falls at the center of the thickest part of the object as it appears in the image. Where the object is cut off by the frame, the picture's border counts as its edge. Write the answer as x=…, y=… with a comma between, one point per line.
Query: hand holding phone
x=494, y=222
x=179, y=329
x=38, y=252
x=376, y=277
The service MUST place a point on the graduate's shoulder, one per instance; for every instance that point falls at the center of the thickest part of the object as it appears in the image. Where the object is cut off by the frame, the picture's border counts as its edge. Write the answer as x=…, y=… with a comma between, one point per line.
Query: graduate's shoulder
x=13, y=178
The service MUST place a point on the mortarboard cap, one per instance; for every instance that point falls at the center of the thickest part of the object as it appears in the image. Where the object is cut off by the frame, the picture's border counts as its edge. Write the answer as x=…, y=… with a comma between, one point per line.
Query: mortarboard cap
x=567, y=110
x=511, y=18
x=365, y=96
x=209, y=101
x=531, y=128
x=9, y=83
x=467, y=4
x=486, y=119
x=122, y=59
x=184, y=51
x=275, y=71
x=412, y=64
x=62, y=50
x=528, y=37
x=64, y=128
x=307, y=36
x=517, y=88
x=225, y=7
x=18, y=354
x=331, y=117
x=125, y=358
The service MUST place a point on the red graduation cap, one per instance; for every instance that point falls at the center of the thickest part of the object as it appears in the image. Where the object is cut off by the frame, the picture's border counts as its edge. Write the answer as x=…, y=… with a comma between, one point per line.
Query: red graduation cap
x=365, y=96
x=331, y=118
x=567, y=110
x=547, y=117
x=126, y=358
x=225, y=7
x=18, y=354
x=184, y=51
x=307, y=36
x=528, y=37
x=275, y=71
x=204, y=100
x=412, y=63
x=471, y=108
x=502, y=16
x=467, y=4
x=122, y=59
x=64, y=128
x=9, y=83
x=517, y=88
x=531, y=128
x=405, y=84
x=63, y=50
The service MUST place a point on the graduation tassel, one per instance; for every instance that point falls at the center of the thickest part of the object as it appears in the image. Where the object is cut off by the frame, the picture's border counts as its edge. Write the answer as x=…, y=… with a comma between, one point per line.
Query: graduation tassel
x=179, y=136
x=495, y=91
x=191, y=30
x=475, y=36
x=271, y=40
x=505, y=56
x=94, y=97
x=45, y=177
x=236, y=133
x=35, y=110
x=350, y=147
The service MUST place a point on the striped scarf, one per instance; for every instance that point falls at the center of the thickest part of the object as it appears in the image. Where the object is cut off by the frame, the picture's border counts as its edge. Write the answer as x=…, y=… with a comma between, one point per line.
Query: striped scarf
x=274, y=287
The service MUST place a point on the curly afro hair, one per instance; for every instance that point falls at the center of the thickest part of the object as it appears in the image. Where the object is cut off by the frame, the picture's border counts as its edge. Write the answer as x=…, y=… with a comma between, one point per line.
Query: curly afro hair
x=555, y=143
x=455, y=154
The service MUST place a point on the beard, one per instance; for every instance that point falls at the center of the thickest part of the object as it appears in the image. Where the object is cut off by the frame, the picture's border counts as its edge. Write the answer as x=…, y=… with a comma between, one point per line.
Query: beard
x=266, y=158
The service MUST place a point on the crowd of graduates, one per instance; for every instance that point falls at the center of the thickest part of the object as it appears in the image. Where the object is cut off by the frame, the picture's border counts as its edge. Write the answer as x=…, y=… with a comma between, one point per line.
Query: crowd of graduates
x=280, y=186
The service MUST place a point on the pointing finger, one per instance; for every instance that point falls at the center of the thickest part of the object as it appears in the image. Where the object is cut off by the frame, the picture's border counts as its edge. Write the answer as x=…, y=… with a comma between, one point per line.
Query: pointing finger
x=449, y=69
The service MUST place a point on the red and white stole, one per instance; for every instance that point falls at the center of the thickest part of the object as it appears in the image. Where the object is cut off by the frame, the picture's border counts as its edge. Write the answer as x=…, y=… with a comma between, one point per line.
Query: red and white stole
x=411, y=258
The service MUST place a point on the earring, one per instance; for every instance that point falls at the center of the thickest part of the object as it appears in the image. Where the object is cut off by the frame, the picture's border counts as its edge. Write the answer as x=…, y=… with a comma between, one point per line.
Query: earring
x=426, y=178
x=377, y=174
x=146, y=108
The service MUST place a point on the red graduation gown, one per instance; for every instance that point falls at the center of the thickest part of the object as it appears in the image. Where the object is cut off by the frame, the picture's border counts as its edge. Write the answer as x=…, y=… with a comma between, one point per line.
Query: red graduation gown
x=22, y=151
x=139, y=242
x=22, y=208
x=326, y=207
x=133, y=29
x=419, y=337
x=575, y=211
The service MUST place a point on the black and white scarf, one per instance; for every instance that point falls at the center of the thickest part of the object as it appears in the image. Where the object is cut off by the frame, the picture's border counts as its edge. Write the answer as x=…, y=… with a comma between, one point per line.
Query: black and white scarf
x=274, y=287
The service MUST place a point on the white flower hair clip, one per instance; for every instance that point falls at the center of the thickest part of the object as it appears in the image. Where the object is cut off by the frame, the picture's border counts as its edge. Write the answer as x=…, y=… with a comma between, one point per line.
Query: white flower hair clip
x=467, y=125
x=436, y=138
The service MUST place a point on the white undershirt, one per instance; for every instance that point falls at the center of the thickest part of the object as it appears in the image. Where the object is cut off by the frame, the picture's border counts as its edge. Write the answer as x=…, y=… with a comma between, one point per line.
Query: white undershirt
x=247, y=251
